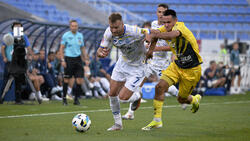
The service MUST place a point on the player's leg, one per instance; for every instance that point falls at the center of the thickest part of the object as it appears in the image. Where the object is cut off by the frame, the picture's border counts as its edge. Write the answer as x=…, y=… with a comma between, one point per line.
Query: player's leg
x=172, y=89
x=168, y=78
x=78, y=73
x=160, y=89
x=134, y=76
x=69, y=89
x=239, y=81
x=78, y=90
x=130, y=113
x=67, y=76
x=187, y=83
x=65, y=87
x=115, y=87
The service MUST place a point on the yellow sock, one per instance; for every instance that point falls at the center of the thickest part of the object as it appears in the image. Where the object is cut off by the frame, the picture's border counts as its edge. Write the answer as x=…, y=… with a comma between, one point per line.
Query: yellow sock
x=194, y=99
x=157, y=108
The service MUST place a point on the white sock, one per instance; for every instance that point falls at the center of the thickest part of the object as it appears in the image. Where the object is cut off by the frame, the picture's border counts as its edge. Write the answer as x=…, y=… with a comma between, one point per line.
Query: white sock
x=96, y=93
x=115, y=108
x=102, y=91
x=131, y=112
x=135, y=96
x=69, y=90
x=173, y=90
x=105, y=84
x=39, y=94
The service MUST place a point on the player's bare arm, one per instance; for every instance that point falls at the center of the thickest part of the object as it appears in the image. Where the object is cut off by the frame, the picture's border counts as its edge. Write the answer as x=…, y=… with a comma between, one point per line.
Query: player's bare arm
x=84, y=54
x=62, y=55
x=149, y=54
x=166, y=35
x=163, y=48
x=149, y=37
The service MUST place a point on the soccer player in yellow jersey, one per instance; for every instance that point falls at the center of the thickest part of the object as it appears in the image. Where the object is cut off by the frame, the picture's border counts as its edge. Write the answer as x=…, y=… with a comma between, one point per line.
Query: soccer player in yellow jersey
x=186, y=68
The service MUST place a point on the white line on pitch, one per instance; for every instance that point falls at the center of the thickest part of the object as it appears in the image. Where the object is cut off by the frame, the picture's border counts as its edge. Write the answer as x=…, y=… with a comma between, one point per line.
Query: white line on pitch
x=105, y=110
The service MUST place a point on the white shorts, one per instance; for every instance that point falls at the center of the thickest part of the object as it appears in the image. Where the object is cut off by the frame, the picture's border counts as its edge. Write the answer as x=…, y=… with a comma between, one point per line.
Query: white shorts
x=150, y=70
x=131, y=75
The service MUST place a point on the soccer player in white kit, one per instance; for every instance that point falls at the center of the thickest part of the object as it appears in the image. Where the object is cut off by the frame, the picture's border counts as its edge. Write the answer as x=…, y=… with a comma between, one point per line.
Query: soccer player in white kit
x=159, y=62
x=128, y=72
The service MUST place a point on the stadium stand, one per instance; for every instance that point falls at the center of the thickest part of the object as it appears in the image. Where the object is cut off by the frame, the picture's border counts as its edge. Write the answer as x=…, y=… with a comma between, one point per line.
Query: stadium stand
x=230, y=17
x=226, y=16
x=42, y=9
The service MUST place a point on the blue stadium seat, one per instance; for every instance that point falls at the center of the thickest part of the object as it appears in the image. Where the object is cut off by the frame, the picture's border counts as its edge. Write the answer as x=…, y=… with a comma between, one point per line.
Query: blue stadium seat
x=212, y=26
x=188, y=18
x=223, y=18
x=204, y=26
x=238, y=26
x=229, y=26
x=243, y=35
x=214, y=18
x=231, y=18
x=220, y=26
x=247, y=18
x=239, y=18
x=194, y=26
x=228, y=35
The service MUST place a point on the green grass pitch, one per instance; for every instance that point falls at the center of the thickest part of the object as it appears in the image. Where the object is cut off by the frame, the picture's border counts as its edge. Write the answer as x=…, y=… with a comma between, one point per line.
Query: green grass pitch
x=220, y=118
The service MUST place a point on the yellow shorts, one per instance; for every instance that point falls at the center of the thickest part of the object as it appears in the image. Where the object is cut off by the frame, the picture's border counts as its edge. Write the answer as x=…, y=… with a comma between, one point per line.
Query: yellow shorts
x=187, y=78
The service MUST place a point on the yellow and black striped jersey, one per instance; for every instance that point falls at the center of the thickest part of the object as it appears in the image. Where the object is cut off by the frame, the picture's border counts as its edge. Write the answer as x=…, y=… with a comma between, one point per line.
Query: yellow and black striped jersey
x=184, y=47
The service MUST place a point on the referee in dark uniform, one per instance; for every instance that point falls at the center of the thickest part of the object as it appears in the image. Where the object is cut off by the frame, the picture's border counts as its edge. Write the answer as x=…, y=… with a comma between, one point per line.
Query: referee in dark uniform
x=73, y=52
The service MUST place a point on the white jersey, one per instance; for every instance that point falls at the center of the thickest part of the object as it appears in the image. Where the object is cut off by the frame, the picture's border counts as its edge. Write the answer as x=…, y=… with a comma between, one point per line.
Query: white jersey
x=248, y=57
x=160, y=59
x=130, y=44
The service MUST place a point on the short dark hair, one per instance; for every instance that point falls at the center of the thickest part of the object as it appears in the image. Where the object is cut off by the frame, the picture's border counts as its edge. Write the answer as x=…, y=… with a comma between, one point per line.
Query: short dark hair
x=163, y=5
x=146, y=24
x=16, y=23
x=170, y=12
x=51, y=52
x=72, y=21
x=211, y=62
x=114, y=17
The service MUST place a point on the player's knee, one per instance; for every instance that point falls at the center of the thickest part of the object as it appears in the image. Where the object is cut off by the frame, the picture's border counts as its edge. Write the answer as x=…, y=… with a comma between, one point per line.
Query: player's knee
x=111, y=93
x=123, y=98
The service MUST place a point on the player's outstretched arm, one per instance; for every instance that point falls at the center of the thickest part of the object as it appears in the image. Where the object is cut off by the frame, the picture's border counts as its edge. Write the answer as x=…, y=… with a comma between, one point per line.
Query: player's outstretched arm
x=162, y=48
x=166, y=35
x=149, y=54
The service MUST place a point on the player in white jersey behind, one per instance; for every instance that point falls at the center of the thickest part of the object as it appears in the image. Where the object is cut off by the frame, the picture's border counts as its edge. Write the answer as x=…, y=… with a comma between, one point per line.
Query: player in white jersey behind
x=128, y=72
x=159, y=62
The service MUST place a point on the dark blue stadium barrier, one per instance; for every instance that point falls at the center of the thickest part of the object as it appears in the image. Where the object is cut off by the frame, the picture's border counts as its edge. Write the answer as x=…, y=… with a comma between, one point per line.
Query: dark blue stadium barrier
x=105, y=63
x=216, y=92
x=36, y=30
